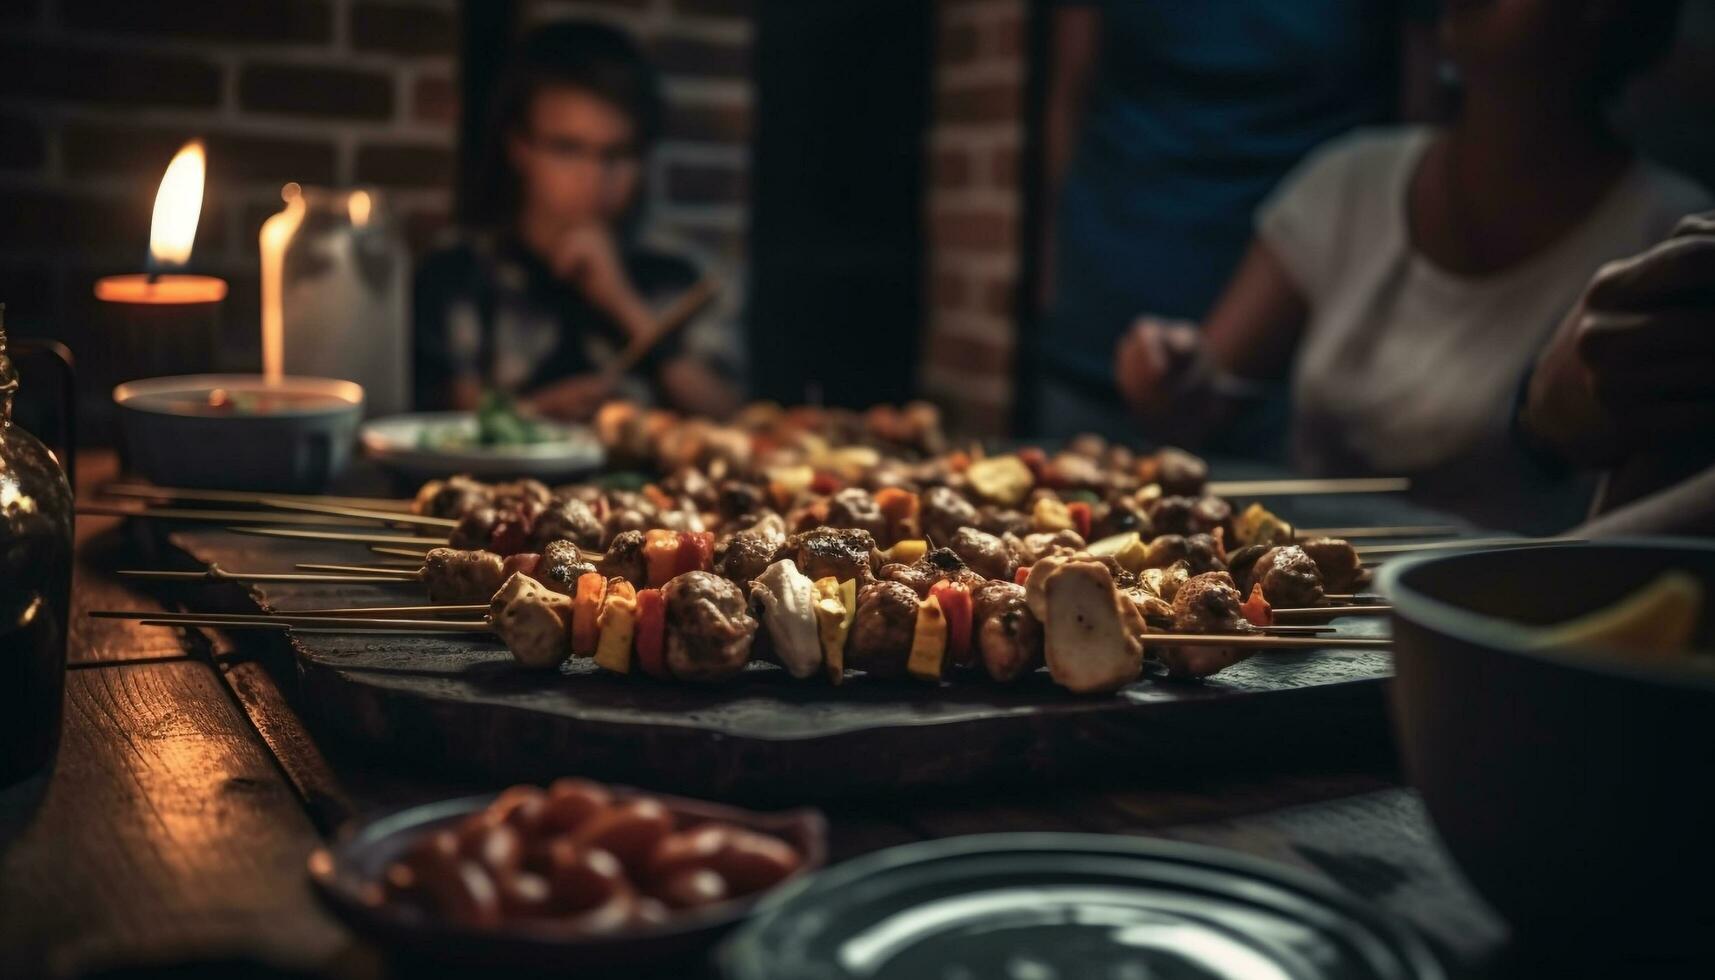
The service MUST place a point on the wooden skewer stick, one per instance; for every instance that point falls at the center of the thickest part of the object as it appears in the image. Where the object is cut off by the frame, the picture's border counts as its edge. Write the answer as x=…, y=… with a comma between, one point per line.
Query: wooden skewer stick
x=150, y=492
x=364, y=513
x=1313, y=612
x=390, y=612
x=217, y=574
x=382, y=549
x=288, y=532
x=1397, y=531
x=411, y=574
x=1252, y=641
x=1461, y=544
x=306, y=566
x=1293, y=488
x=290, y=621
x=682, y=311
x=218, y=516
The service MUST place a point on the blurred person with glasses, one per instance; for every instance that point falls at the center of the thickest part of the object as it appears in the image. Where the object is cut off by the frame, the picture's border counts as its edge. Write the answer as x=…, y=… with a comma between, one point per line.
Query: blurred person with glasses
x=557, y=279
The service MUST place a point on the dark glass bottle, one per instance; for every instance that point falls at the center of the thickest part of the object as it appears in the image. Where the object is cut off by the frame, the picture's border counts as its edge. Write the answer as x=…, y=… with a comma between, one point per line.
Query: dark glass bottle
x=35, y=589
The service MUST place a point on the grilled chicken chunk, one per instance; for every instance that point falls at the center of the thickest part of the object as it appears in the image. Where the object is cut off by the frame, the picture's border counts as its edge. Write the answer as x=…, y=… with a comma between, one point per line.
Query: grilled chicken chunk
x=1207, y=603
x=881, y=636
x=1007, y=636
x=1338, y=561
x=569, y=519
x=1289, y=578
x=624, y=559
x=943, y=512
x=561, y=565
x=452, y=575
x=841, y=552
x=532, y=621
x=786, y=598
x=1091, y=635
x=709, y=627
x=984, y=553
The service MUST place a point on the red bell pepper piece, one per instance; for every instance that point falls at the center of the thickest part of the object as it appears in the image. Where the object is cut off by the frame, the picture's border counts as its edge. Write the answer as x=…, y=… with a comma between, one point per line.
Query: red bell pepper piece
x=825, y=484
x=652, y=634
x=1036, y=459
x=1081, y=518
x=955, y=600
x=1256, y=609
x=527, y=562
x=1023, y=575
x=696, y=552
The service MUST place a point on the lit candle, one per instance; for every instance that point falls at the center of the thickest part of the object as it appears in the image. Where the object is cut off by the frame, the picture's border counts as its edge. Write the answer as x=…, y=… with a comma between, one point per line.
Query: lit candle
x=276, y=234
x=172, y=231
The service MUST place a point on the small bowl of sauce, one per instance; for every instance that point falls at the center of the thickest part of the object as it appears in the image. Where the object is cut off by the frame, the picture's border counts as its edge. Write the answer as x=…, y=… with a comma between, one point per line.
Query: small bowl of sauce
x=237, y=431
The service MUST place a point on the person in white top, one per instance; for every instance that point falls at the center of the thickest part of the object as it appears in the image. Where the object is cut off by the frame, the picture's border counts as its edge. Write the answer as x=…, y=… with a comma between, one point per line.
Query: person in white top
x=1406, y=279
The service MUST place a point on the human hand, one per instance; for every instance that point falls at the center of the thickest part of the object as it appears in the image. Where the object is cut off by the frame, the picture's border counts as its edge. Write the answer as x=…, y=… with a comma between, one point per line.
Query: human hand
x=588, y=258
x=1632, y=367
x=574, y=399
x=1153, y=361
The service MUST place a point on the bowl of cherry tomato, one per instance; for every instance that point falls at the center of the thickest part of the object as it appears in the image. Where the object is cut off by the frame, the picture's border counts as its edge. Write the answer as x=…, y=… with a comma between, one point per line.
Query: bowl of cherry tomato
x=574, y=874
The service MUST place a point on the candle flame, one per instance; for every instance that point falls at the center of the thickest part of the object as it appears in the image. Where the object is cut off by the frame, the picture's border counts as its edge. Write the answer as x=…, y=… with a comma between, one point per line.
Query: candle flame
x=359, y=204
x=178, y=205
x=276, y=233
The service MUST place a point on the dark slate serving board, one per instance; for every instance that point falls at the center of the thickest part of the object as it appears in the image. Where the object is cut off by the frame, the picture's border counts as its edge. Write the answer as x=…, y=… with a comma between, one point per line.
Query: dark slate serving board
x=459, y=701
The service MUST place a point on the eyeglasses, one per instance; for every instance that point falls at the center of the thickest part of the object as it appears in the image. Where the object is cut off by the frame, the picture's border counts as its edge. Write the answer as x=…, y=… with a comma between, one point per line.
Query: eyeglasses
x=575, y=151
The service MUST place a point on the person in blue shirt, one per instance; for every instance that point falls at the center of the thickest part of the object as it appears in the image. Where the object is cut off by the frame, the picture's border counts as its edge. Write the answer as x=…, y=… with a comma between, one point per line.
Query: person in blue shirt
x=1166, y=124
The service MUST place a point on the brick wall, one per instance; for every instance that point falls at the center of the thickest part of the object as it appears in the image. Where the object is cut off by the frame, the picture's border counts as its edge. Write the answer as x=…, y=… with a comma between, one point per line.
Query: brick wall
x=698, y=184
x=973, y=210
x=97, y=95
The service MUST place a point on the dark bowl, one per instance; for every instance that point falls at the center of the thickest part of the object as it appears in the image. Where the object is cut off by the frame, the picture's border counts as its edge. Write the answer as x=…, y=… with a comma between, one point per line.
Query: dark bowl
x=346, y=872
x=1065, y=906
x=1577, y=792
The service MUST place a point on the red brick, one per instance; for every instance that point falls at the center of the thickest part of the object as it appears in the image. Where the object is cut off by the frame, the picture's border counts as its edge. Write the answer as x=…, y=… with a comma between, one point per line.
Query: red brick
x=695, y=183
x=957, y=44
x=412, y=29
x=951, y=168
x=404, y=165
x=271, y=22
x=708, y=123
x=974, y=229
x=315, y=91
x=1006, y=37
x=951, y=291
x=695, y=56
x=434, y=98
x=1003, y=167
x=971, y=356
x=116, y=227
x=98, y=150
x=23, y=146
x=55, y=71
x=1000, y=297
x=988, y=102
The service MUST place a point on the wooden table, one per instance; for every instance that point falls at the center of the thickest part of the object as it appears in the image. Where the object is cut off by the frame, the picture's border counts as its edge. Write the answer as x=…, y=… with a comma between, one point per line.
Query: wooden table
x=174, y=827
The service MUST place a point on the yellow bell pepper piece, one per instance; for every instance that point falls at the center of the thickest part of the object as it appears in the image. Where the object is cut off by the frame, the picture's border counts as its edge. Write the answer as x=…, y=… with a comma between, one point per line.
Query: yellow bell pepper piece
x=836, y=610
x=1128, y=549
x=907, y=551
x=618, y=625
x=929, y=642
x=1004, y=480
x=1050, y=514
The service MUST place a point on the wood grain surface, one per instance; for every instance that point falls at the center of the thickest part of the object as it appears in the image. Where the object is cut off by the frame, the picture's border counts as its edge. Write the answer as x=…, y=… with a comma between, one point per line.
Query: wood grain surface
x=164, y=831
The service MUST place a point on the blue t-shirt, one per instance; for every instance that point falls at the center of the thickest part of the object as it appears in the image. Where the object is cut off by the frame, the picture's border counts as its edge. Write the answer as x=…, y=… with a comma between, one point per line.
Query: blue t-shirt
x=1198, y=108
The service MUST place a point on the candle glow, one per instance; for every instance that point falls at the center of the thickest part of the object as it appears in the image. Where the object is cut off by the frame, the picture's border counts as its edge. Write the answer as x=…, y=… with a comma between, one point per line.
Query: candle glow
x=276, y=233
x=178, y=206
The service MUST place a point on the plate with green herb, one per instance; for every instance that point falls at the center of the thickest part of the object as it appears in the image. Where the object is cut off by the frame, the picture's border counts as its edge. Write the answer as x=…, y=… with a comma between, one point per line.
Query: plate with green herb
x=497, y=440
